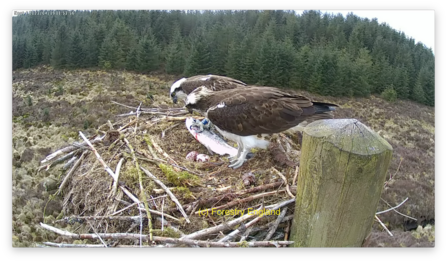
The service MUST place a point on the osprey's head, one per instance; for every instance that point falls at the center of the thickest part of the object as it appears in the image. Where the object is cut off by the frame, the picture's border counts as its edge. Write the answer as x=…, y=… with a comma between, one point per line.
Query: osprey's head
x=194, y=99
x=176, y=91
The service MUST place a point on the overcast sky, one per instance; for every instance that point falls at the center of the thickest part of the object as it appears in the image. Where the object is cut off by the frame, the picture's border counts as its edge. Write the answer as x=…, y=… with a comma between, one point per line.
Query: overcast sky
x=417, y=24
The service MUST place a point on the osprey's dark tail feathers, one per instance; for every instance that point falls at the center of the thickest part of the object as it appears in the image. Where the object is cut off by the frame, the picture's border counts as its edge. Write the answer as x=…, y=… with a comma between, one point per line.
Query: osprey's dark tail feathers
x=323, y=107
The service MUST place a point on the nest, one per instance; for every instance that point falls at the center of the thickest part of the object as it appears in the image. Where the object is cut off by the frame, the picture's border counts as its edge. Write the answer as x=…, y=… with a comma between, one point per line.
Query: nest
x=131, y=185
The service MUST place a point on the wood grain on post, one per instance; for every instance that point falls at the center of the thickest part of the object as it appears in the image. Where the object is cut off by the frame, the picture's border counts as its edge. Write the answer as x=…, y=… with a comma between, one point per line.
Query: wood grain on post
x=342, y=172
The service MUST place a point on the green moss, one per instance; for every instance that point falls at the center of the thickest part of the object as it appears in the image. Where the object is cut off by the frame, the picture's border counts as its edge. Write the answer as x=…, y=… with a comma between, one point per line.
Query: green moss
x=184, y=192
x=243, y=244
x=180, y=179
x=167, y=232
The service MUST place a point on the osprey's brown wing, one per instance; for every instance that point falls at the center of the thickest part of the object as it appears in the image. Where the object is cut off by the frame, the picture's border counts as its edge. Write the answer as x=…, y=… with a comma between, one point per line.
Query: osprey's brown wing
x=259, y=110
x=212, y=82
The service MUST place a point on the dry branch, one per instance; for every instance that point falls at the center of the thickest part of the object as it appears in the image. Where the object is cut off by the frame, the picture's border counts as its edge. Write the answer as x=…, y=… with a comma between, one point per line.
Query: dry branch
x=106, y=167
x=75, y=166
x=165, y=239
x=234, y=222
x=173, y=198
x=240, y=201
x=138, y=202
x=68, y=149
x=285, y=181
x=275, y=225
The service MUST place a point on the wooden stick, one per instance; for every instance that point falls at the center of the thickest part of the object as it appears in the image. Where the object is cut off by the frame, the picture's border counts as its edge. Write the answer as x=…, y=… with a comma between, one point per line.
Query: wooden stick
x=117, y=173
x=60, y=159
x=70, y=148
x=165, y=239
x=75, y=166
x=107, y=168
x=140, y=181
x=232, y=223
x=239, y=201
x=167, y=129
x=393, y=208
x=295, y=176
x=136, y=200
x=173, y=198
x=160, y=151
x=237, y=231
x=275, y=225
x=285, y=181
x=383, y=225
x=398, y=211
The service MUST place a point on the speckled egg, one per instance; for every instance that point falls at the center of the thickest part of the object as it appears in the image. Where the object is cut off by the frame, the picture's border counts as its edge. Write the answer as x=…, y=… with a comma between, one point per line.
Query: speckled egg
x=192, y=156
x=202, y=158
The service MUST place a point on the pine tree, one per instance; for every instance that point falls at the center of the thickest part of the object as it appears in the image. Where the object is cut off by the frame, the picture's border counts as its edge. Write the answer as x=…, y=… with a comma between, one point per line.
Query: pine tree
x=148, y=54
x=132, y=60
x=110, y=55
x=60, y=50
x=76, y=54
x=175, y=60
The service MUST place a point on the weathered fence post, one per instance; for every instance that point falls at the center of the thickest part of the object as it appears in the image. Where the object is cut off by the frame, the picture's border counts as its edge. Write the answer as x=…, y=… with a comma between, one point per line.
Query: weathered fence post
x=342, y=172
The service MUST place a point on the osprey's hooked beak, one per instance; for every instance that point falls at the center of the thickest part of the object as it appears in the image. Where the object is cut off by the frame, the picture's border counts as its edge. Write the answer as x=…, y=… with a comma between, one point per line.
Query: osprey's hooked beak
x=174, y=98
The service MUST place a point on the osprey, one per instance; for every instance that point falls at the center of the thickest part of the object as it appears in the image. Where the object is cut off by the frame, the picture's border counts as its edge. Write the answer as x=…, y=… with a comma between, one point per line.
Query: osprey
x=181, y=88
x=245, y=115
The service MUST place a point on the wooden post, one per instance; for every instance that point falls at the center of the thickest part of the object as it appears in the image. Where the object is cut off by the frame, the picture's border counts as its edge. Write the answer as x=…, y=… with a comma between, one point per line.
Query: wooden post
x=342, y=173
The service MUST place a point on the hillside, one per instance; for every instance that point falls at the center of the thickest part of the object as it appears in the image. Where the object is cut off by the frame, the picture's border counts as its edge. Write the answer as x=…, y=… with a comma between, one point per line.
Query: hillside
x=51, y=106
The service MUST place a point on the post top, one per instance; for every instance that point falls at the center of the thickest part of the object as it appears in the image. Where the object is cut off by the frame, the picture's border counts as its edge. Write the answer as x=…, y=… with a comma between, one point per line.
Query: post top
x=349, y=135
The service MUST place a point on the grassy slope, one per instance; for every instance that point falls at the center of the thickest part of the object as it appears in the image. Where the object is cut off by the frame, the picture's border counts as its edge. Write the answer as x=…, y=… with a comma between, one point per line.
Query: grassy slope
x=51, y=106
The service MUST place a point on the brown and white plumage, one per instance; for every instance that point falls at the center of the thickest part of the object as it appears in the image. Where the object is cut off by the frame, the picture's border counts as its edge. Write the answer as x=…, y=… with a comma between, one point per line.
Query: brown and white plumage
x=182, y=87
x=243, y=114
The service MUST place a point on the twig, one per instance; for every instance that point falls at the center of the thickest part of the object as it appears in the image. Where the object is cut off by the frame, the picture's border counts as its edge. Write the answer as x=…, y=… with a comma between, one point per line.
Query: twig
x=160, y=151
x=70, y=148
x=167, y=129
x=285, y=181
x=136, y=200
x=239, y=201
x=240, y=229
x=117, y=174
x=275, y=225
x=140, y=181
x=96, y=233
x=383, y=225
x=295, y=176
x=107, y=168
x=232, y=223
x=124, y=209
x=75, y=166
x=138, y=115
x=173, y=198
x=393, y=208
x=166, y=239
x=398, y=211
x=63, y=158
x=397, y=170
x=66, y=245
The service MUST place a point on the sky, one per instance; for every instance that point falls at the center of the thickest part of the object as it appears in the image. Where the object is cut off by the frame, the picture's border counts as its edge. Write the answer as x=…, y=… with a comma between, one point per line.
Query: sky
x=417, y=24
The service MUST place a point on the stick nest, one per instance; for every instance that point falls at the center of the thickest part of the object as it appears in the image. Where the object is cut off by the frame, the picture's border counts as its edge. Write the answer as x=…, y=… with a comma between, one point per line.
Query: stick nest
x=158, y=142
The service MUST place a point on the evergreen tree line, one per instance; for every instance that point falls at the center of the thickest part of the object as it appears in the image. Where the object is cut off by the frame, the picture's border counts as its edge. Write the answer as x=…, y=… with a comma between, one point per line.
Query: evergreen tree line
x=318, y=52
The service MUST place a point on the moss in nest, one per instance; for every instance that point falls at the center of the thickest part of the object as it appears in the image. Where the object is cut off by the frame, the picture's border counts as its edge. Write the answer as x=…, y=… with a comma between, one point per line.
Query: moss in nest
x=184, y=192
x=167, y=232
x=243, y=244
x=180, y=179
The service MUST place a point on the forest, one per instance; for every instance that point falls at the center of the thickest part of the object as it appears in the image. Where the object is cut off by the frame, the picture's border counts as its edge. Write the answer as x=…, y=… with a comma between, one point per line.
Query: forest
x=317, y=52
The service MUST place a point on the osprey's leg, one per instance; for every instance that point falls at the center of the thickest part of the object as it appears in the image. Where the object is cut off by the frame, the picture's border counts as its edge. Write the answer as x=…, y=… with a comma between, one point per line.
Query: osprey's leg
x=239, y=151
x=241, y=159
